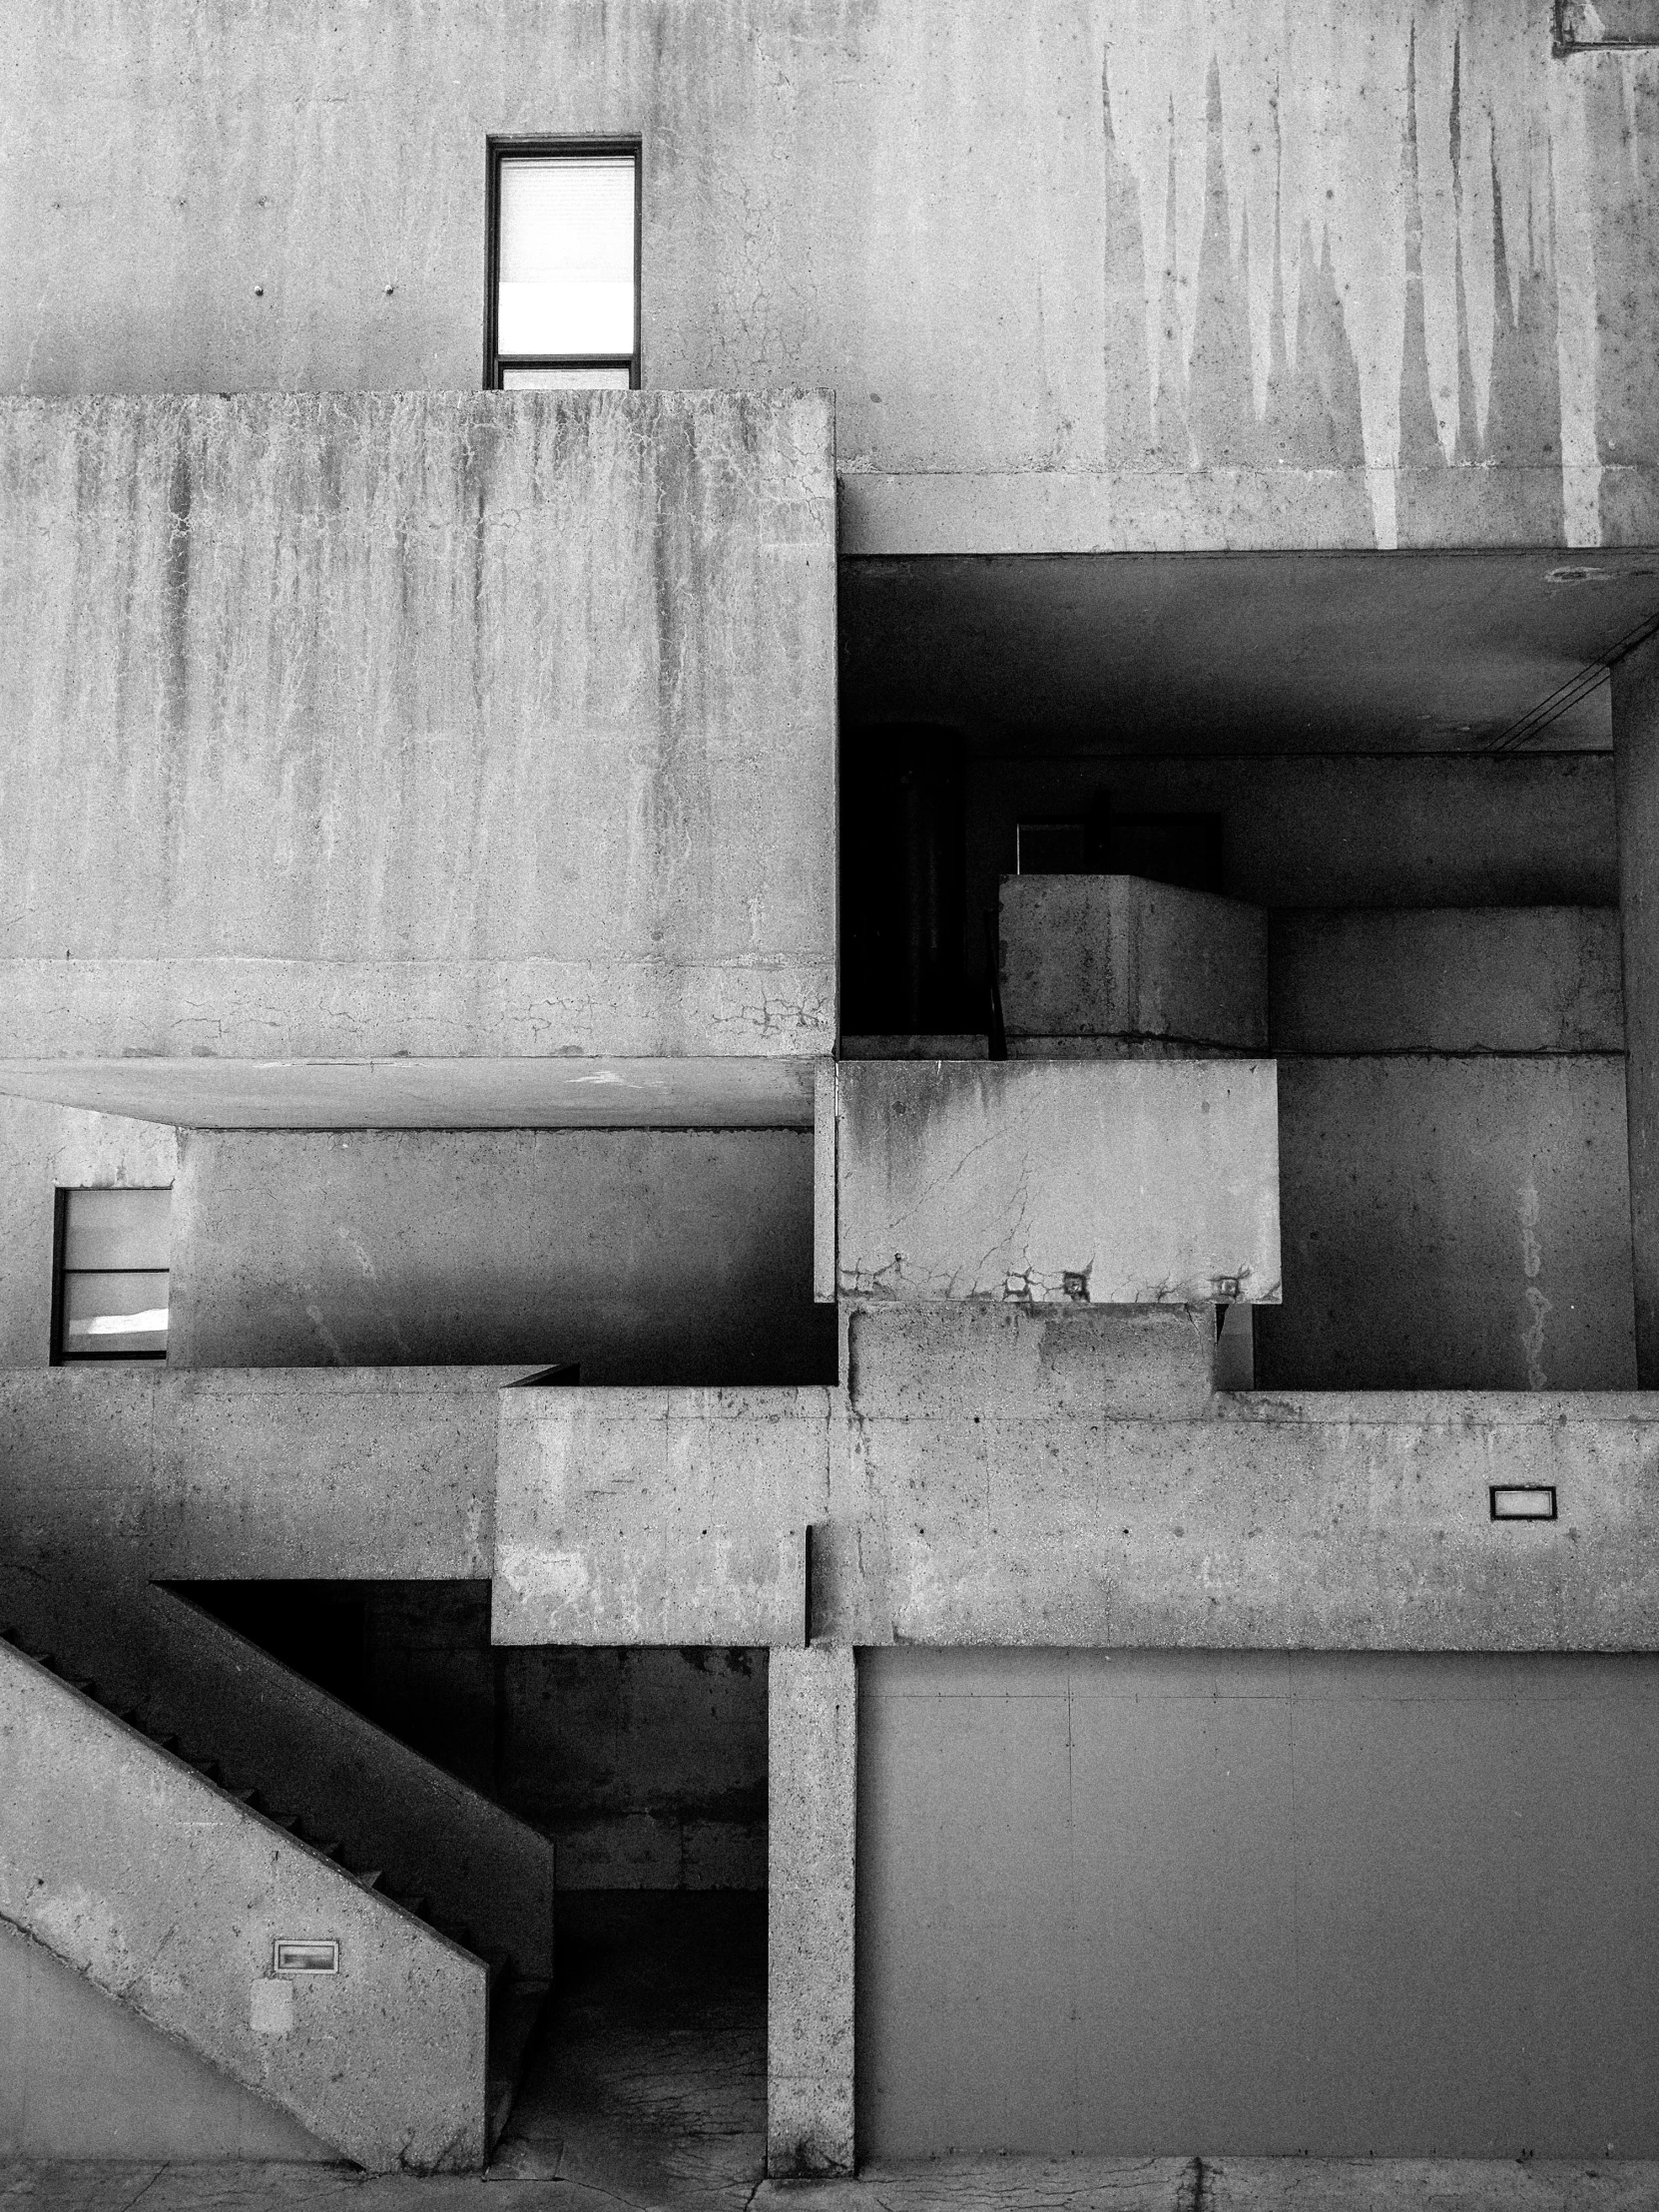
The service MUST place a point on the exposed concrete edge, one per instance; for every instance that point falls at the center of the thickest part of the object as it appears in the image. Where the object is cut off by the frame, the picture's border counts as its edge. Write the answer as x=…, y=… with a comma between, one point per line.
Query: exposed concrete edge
x=402, y=1092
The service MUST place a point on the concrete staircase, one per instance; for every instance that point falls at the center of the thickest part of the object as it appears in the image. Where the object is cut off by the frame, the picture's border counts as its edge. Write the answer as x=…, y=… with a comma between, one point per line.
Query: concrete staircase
x=160, y=1833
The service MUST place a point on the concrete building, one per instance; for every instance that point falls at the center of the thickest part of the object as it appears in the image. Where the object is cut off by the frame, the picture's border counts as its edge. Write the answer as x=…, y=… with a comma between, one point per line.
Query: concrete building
x=830, y=1064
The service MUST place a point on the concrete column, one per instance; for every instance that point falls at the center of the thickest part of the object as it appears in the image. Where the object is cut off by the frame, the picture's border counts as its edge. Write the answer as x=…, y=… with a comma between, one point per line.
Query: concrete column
x=1636, y=775
x=812, y=1810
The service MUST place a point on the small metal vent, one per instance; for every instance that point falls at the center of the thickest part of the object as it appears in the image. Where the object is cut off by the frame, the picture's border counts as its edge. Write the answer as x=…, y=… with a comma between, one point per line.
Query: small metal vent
x=1523, y=1500
x=1597, y=26
x=304, y=1955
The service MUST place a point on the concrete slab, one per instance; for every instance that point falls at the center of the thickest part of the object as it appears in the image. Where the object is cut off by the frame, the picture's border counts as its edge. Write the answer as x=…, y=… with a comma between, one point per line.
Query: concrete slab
x=407, y=1093
x=1116, y=957
x=1114, y=1183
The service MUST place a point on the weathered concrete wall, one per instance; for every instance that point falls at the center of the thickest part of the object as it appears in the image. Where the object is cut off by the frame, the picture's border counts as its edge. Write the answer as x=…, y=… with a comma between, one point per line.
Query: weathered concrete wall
x=812, y=1848
x=1288, y=1904
x=1091, y=957
x=82, y=2077
x=1216, y=277
x=128, y=1474
x=648, y=1255
x=419, y=724
x=1456, y=979
x=1452, y=1224
x=1118, y=1183
x=40, y=1148
x=1013, y=1499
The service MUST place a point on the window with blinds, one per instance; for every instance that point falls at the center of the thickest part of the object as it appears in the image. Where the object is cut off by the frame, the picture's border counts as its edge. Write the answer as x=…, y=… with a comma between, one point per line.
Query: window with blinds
x=110, y=1290
x=564, y=267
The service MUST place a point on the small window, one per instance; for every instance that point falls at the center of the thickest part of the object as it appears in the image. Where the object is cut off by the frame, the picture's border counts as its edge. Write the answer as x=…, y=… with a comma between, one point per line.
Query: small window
x=564, y=267
x=109, y=1294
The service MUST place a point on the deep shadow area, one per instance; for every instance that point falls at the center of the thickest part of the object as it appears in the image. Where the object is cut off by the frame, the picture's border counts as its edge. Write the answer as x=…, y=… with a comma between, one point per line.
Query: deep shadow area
x=648, y=2079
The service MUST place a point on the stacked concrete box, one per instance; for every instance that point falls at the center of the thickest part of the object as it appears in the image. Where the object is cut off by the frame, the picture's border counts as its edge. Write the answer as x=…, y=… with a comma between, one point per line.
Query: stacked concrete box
x=1101, y=963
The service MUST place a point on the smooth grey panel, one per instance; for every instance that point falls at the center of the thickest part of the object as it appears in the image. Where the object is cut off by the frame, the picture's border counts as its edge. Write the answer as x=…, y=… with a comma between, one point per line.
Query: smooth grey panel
x=1258, y=1903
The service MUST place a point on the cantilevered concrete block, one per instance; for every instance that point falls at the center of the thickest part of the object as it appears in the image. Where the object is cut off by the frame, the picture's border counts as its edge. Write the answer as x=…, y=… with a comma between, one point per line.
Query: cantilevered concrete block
x=1096, y=1182
x=1115, y=956
x=812, y=1831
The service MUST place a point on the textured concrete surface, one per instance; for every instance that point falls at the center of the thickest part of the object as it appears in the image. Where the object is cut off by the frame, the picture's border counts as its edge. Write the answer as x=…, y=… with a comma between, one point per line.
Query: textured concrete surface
x=1636, y=761
x=1288, y=292
x=40, y=1148
x=917, y=2185
x=168, y=1893
x=126, y=1473
x=1263, y=1901
x=597, y=1093
x=1451, y=1224
x=81, y=2078
x=1115, y=1183
x=1529, y=979
x=648, y=1256
x=370, y=645
x=813, y=1801
x=1047, y=1506
x=389, y=1808
x=1115, y=956
x=632, y=1516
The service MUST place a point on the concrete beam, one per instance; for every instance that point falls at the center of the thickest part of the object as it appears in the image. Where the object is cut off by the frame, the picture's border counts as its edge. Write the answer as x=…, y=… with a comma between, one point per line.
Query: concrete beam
x=1636, y=771
x=1115, y=956
x=810, y=1852
x=1114, y=1183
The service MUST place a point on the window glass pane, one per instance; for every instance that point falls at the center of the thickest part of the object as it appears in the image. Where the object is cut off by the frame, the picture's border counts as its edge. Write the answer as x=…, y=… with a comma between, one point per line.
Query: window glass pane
x=597, y=378
x=117, y=1229
x=567, y=254
x=114, y=1312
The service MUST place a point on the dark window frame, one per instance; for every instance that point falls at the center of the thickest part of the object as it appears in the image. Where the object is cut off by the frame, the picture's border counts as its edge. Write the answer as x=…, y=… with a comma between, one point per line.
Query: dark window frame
x=57, y=1357
x=496, y=150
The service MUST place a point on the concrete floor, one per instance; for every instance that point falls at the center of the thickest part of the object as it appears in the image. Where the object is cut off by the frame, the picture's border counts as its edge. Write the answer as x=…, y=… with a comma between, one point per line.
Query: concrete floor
x=647, y=2093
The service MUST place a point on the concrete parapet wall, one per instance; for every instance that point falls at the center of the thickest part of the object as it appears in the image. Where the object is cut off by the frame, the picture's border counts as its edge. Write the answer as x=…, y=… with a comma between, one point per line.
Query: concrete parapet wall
x=1331, y=1521
x=657, y=1516
x=1114, y=1183
x=1526, y=979
x=430, y=723
x=1089, y=956
x=132, y=1474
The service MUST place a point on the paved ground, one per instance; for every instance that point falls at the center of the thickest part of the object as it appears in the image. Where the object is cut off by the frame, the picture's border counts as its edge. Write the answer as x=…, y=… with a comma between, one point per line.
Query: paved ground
x=647, y=2094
